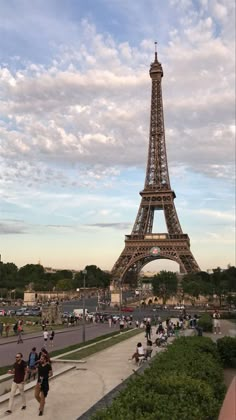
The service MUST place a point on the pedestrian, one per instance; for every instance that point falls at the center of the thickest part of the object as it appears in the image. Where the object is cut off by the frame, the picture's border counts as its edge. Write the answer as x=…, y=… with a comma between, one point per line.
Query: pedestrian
x=148, y=330
x=51, y=338
x=110, y=321
x=122, y=324
x=44, y=369
x=20, y=373
x=45, y=337
x=7, y=329
x=216, y=322
x=32, y=362
x=45, y=353
x=15, y=328
x=1, y=328
x=19, y=333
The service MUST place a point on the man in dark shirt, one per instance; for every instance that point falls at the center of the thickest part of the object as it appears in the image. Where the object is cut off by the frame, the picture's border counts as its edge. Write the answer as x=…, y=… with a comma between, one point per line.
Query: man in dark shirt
x=20, y=372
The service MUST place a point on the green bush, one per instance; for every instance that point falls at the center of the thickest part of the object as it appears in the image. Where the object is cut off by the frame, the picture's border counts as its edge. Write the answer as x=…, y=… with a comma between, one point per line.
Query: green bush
x=227, y=350
x=175, y=397
x=205, y=322
x=185, y=382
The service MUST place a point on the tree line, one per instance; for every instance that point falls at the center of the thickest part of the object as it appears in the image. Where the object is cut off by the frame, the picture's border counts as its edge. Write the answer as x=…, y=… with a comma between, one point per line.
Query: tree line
x=17, y=280
x=220, y=284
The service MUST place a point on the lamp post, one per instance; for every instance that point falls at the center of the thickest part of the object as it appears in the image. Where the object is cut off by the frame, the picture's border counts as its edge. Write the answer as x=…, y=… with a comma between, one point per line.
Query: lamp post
x=84, y=272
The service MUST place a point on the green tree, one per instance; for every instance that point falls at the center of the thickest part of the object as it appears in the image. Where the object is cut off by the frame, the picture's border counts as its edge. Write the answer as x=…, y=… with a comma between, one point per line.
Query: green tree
x=95, y=277
x=220, y=283
x=31, y=273
x=196, y=284
x=64, y=284
x=8, y=275
x=165, y=285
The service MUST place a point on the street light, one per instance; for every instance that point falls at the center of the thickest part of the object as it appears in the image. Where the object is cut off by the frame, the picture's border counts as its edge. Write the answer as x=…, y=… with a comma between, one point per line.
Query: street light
x=84, y=272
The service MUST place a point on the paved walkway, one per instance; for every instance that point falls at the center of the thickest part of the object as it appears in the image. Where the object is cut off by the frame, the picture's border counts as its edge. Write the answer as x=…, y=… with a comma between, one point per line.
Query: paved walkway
x=74, y=392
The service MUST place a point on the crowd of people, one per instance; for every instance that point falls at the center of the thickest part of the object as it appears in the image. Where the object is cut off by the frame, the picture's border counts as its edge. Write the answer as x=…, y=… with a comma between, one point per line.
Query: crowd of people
x=38, y=365
x=169, y=328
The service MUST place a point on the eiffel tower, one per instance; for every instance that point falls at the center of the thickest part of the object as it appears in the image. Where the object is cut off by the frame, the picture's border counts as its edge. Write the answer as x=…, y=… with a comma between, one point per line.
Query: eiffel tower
x=144, y=246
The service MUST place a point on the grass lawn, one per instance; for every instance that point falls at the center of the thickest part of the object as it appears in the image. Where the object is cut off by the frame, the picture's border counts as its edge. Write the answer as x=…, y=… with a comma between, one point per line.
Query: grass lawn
x=11, y=320
x=102, y=345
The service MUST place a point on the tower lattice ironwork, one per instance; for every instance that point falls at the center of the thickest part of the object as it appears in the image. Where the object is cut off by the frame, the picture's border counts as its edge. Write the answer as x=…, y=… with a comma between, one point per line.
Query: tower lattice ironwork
x=143, y=246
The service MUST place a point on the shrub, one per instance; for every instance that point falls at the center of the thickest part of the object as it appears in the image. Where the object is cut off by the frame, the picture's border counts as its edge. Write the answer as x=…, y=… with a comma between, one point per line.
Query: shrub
x=227, y=349
x=205, y=322
x=185, y=382
x=175, y=397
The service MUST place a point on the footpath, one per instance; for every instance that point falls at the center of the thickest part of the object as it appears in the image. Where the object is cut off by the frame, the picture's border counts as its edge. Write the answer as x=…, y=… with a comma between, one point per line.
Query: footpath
x=78, y=389
x=82, y=384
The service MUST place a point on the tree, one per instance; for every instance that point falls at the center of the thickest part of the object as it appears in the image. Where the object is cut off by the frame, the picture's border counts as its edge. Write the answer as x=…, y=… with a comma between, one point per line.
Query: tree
x=64, y=284
x=220, y=283
x=196, y=284
x=8, y=275
x=165, y=285
x=95, y=277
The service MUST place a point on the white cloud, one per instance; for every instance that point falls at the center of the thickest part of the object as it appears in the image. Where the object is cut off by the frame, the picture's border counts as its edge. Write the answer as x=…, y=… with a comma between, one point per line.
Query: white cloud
x=75, y=116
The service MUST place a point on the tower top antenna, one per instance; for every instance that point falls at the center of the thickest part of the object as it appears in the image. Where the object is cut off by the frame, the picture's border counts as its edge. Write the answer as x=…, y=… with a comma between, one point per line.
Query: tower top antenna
x=155, y=50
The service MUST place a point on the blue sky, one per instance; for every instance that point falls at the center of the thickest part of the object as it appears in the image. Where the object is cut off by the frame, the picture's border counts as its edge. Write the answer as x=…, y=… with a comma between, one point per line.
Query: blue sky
x=74, y=126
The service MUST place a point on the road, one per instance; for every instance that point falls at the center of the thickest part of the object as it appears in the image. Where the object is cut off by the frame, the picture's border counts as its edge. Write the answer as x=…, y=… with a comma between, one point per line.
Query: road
x=72, y=335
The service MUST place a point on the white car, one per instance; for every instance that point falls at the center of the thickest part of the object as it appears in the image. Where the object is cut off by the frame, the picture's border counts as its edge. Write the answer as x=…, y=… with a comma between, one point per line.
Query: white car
x=179, y=307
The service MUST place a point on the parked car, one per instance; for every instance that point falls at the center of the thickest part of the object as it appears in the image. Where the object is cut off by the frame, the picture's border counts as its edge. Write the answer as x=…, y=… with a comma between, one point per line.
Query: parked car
x=115, y=317
x=179, y=307
x=20, y=312
x=2, y=312
x=127, y=309
x=11, y=312
x=36, y=312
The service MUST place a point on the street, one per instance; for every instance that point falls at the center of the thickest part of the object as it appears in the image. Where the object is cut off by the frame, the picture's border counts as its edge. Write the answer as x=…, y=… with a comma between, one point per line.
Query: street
x=72, y=335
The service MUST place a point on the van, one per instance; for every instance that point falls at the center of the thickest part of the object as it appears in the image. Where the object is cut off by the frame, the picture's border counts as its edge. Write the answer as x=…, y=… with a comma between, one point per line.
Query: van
x=79, y=312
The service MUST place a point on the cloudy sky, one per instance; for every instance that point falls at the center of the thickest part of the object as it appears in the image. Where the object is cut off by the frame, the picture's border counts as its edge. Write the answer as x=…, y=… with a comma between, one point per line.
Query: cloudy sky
x=74, y=126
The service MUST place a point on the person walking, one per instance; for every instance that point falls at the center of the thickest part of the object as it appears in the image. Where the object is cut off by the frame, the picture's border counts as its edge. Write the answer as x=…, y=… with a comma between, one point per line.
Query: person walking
x=20, y=373
x=1, y=328
x=19, y=333
x=45, y=337
x=216, y=322
x=44, y=369
x=32, y=362
x=51, y=338
x=7, y=329
x=148, y=330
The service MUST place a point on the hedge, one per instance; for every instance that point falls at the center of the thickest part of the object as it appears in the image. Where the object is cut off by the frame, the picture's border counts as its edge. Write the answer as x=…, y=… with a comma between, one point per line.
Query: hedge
x=205, y=322
x=227, y=350
x=185, y=382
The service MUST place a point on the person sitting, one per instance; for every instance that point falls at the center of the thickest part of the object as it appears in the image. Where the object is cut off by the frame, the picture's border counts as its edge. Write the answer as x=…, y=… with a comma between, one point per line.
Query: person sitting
x=161, y=339
x=148, y=350
x=139, y=353
x=160, y=328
